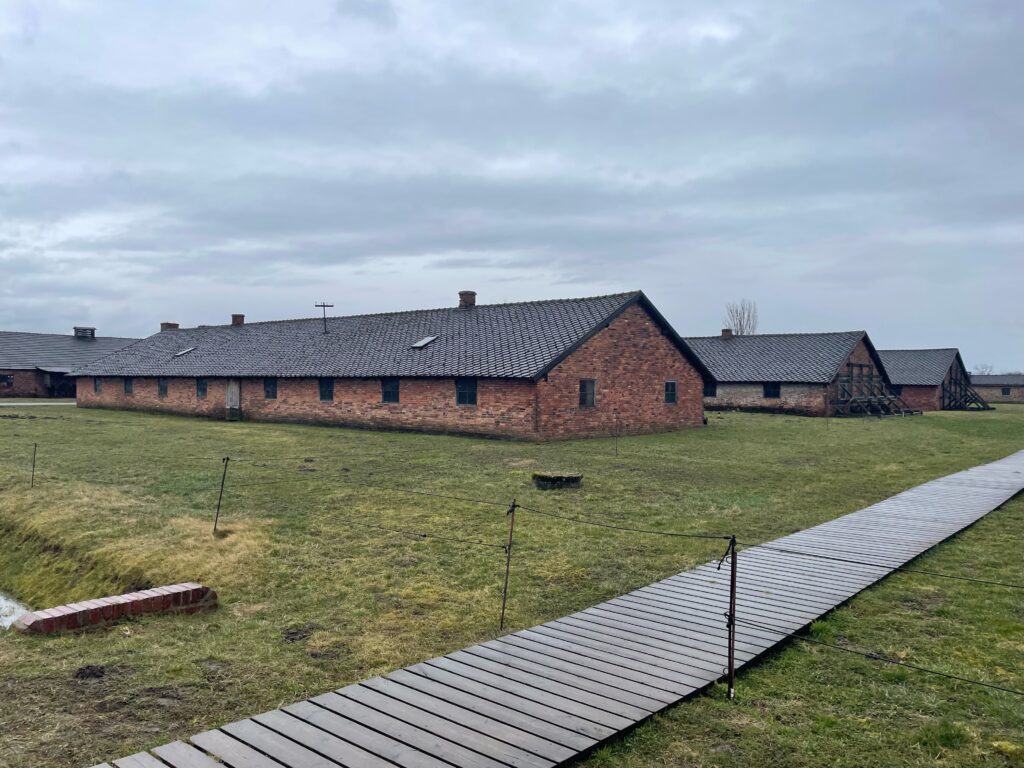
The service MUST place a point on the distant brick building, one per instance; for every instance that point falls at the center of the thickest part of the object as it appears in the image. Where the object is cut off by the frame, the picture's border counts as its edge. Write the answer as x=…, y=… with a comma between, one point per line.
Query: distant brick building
x=536, y=370
x=37, y=364
x=1000, y=388
x=812, y=374
x=931, y=379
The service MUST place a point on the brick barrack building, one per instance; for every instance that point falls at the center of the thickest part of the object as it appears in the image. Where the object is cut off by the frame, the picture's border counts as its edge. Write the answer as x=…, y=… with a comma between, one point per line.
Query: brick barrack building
x=1000, y=387
x=931, y=379
x=536, y=370
x=37, y=364
x=813, y=374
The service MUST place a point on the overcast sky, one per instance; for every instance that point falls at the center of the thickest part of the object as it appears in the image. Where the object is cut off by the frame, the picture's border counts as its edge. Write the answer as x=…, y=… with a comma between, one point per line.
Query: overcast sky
x=846, y=165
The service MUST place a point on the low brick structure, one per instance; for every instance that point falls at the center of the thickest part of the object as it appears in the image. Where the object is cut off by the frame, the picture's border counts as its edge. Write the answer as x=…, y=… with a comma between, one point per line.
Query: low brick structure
x=931, y=379
x=810, y=374
x=188, y=597
x=1000, y=388
x=538, y=370
x=37, y=364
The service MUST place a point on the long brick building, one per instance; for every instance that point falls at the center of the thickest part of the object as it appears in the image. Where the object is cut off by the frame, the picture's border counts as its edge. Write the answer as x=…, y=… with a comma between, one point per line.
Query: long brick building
x=931, y=379
x=37, y=364
x=812, y=374
x=1000, y=387
x=536, y=370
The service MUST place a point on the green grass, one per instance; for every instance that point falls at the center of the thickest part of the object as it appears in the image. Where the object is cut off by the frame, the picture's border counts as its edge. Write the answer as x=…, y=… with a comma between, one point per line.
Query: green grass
x=126, y=499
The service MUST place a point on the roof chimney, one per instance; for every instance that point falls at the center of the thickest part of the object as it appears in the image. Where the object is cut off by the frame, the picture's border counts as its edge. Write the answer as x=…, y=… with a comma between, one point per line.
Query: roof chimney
x=467, y=299
x=238, y=319
x=727, y=333
x=168, y=326
x=83, y=332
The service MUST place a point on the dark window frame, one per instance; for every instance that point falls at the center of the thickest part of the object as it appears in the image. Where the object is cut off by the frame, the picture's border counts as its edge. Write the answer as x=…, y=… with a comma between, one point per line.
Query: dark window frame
x=6, y=381
x=1006, y=391
x=772, y=390
x=710, y=389
x=466, y=392
x=270, y=388
x=202, y=387
x=897, y=389
x=161, y=386
x=671, y=392
x=326, y=386
x=588, y=393
x=129, y=385
x=391, y=390
x=97, y=385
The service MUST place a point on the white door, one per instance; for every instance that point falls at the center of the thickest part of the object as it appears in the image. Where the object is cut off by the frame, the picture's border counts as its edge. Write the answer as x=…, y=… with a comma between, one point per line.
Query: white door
x=233, y=399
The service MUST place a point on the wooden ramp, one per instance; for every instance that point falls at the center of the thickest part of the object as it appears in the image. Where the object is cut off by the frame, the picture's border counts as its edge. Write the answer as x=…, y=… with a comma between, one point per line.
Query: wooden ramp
x=543, y=696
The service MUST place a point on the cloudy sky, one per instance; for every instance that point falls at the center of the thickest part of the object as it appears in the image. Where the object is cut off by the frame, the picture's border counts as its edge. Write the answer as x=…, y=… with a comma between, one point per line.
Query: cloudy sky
x=846, y=165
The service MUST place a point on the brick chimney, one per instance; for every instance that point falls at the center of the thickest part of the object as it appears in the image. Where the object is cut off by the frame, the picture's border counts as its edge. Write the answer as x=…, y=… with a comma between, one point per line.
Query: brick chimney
x=238, y=319
x=727, y=333
x=84, y=332
x=467, y=299
x=168, y=326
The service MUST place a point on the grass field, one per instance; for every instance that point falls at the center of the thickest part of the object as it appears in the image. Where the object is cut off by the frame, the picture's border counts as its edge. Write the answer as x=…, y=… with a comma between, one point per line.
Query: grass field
x=313, y=598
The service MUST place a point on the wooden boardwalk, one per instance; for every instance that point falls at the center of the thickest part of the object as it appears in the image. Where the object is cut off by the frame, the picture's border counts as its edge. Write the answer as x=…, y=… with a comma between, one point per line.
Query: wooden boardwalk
x=543, y=696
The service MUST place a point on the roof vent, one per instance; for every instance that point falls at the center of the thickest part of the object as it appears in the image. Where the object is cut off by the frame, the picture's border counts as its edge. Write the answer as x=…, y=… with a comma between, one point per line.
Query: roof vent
x=83, y=332
x=238, y=319
x=184, y=352
x=467, y=299
x=423, y=342
x=168, y=326
x=727, y=333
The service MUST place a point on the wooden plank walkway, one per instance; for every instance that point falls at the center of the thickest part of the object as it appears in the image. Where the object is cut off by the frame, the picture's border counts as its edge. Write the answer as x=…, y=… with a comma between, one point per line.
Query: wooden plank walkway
x=543, y=696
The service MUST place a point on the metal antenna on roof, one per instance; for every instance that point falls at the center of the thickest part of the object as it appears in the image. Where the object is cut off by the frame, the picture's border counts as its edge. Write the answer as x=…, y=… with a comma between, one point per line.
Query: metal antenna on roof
x=323, y=305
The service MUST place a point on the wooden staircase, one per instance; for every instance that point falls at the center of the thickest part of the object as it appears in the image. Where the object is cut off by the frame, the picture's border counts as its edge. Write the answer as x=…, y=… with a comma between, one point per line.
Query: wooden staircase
x=867, y=396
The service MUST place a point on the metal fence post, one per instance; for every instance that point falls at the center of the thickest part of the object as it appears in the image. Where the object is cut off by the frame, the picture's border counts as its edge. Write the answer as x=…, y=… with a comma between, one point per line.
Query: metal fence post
x=220, y=497
x=732, y=618
x=508, y=562
x=32, y=483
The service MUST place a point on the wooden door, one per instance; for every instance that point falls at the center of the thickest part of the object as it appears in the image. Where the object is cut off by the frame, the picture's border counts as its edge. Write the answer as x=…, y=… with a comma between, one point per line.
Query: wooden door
x=233, y=399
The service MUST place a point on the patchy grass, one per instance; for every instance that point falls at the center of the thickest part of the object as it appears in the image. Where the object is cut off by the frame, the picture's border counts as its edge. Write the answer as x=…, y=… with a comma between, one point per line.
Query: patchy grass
x=314, y=599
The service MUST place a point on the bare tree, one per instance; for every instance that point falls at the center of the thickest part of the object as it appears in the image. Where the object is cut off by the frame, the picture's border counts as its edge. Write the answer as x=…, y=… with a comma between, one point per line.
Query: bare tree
x=983, y=369
x=741, y=316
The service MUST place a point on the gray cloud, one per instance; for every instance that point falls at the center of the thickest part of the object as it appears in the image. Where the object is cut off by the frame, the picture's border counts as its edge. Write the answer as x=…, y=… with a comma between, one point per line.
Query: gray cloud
x=847, y=167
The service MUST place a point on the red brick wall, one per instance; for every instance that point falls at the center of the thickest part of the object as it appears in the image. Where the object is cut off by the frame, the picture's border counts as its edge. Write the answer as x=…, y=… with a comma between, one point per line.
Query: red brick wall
x=26, y=384
x=181, y=396
x=922, y=398
x=504, y=406
x=802, y=399
x=630, y=361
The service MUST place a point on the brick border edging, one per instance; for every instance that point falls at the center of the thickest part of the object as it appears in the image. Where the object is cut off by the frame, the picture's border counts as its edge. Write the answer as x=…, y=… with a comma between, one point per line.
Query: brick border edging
x=187, y=597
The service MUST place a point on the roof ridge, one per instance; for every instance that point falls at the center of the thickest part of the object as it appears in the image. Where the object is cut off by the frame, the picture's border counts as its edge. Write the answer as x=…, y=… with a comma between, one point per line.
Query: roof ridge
x=396, y=313
x=777, y=335
x=923, y=349
x=70, y=336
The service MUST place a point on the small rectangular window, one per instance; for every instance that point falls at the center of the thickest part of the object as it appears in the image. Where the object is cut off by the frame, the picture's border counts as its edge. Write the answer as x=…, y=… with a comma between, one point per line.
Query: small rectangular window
x=97, y=384
x=588, y=393
x=202, y=387
x=1006, y=391
x=710, y=389
x=670, y=392
x=129, y=385
x=6, y=382
x=897, y=389
x=326, y=390
x=772, y=390
x=465, y=391
x=270, y=389
x=161, y=387
x=389, y=391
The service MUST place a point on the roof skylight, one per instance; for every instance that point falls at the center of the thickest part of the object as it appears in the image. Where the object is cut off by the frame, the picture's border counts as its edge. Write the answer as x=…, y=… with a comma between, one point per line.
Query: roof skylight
x=423, y=342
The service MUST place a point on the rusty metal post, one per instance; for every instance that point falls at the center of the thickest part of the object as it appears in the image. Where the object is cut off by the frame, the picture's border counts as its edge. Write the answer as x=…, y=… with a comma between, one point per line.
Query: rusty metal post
x=220, y=497
x=731, y=623
x=32, y=483
x=508, y=562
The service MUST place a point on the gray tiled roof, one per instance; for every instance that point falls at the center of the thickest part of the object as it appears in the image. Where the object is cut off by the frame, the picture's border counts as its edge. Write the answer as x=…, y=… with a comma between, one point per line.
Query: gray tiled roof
x=998, y=380
x=806, y=358
x=53, y=351
x=918, y=367
x=520, y=340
